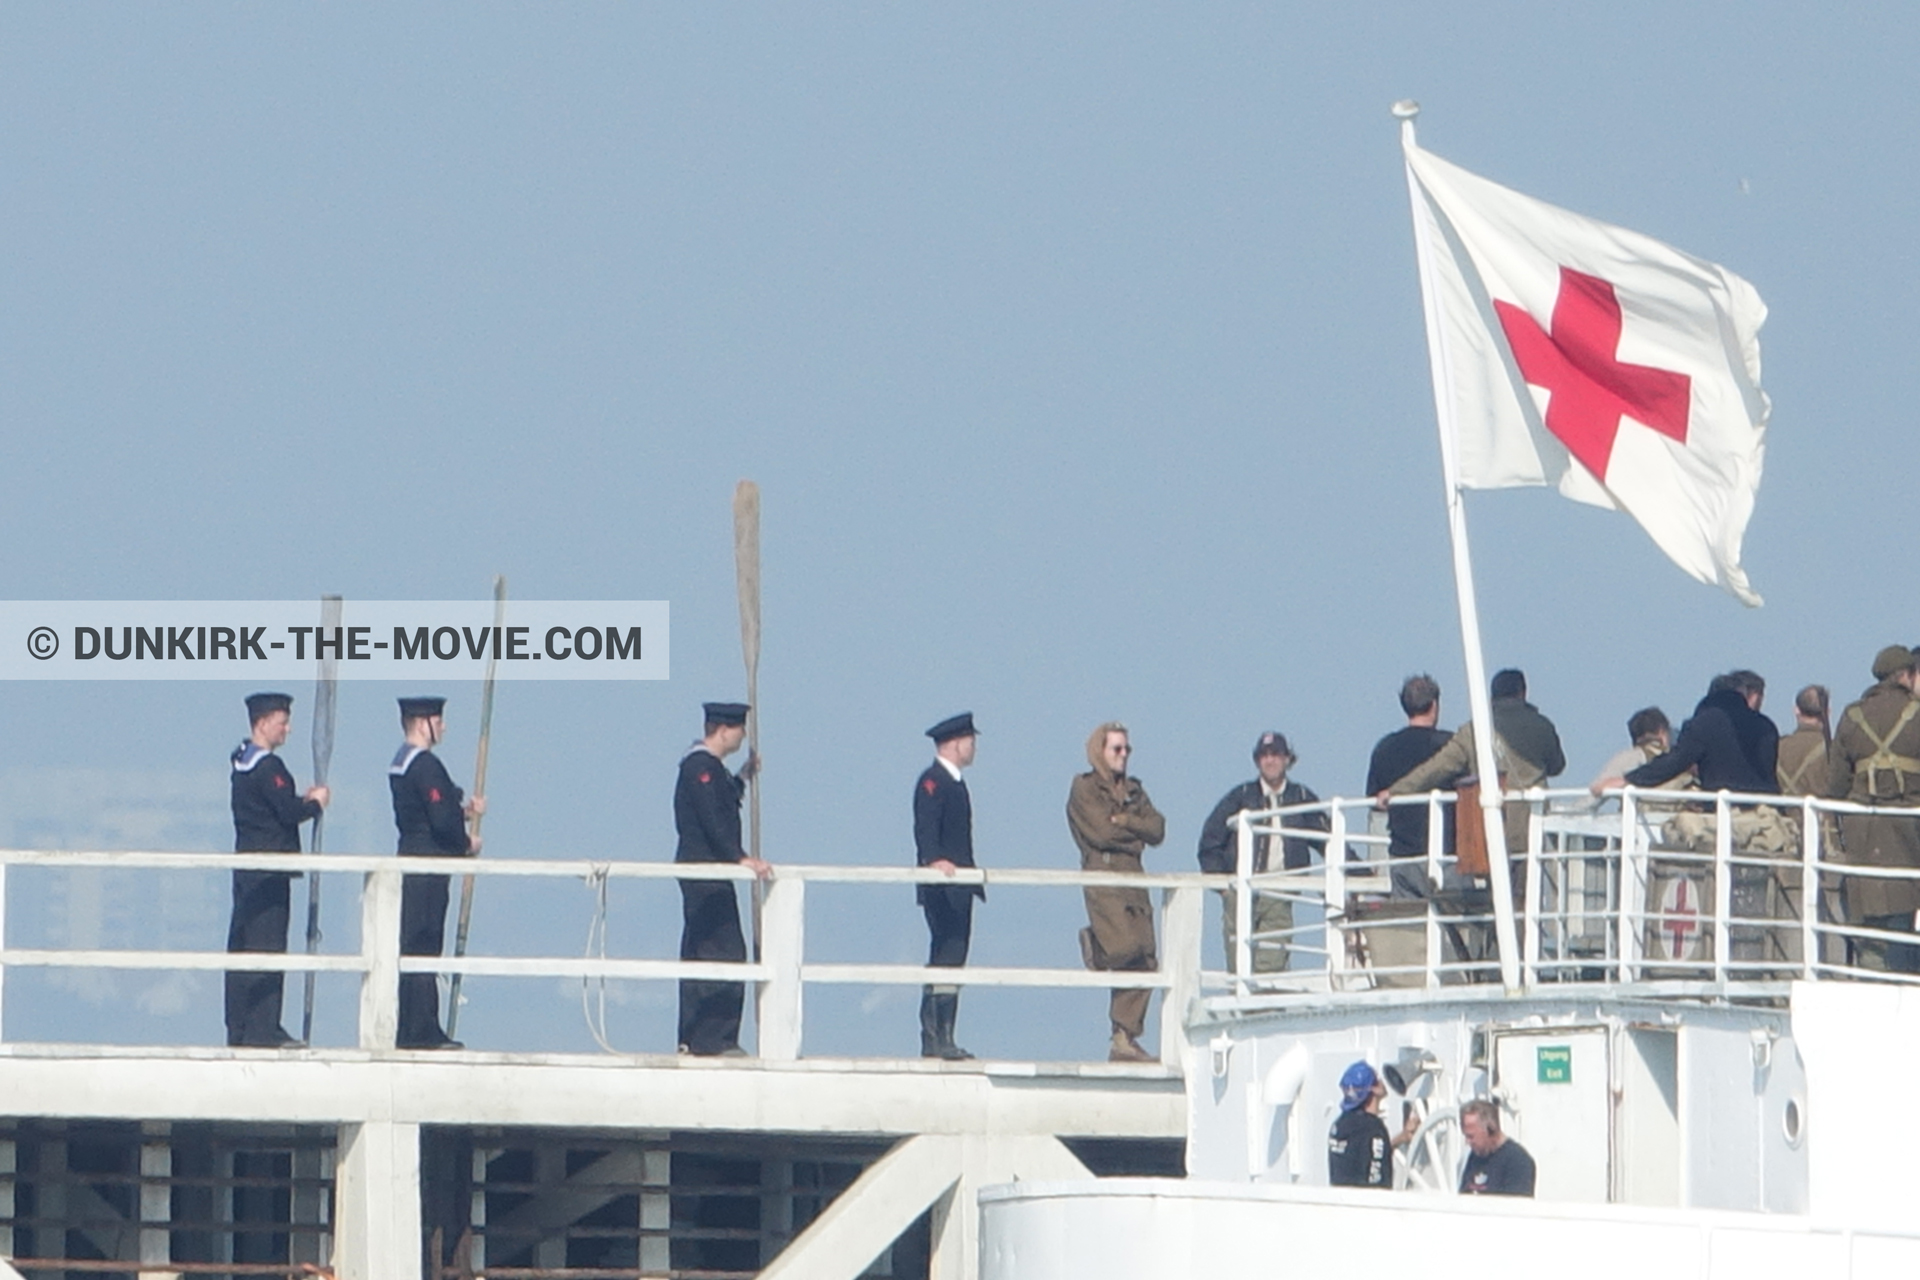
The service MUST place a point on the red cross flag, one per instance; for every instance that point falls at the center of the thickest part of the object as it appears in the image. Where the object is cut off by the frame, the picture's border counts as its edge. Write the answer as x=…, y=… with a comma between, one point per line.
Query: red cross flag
x=1578, y=354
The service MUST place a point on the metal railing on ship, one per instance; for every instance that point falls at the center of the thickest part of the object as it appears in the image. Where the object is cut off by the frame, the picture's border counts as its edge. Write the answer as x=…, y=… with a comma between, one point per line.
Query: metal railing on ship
x=1676, y=891
x=1679, y=890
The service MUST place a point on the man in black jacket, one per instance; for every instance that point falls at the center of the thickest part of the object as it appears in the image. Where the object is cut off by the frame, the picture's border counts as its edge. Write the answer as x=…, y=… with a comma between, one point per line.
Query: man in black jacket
x=431, y=816
x=1396, y=755
x=1219, y=852
x=943, y=840
x=267, y=813
x=706, y=814
x=1734, y=747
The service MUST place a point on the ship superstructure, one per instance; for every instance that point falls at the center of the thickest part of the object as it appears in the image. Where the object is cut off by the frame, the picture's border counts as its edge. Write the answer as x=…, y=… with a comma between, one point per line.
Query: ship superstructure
x=1698, y=1058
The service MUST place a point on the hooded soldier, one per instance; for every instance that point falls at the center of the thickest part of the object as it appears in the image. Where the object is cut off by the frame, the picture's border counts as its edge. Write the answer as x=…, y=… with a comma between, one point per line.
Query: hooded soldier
x=1113, y=822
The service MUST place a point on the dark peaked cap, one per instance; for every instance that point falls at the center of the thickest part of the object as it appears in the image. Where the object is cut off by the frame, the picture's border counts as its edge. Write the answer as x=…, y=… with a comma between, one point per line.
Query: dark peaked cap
x=420, y=708
x=265, y=704
x=1273, y=743
x=726, y=712
x=960, y=726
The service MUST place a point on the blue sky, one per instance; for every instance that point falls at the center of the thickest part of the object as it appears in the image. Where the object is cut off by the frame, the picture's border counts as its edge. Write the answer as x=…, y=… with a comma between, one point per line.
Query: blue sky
x=1076, y=349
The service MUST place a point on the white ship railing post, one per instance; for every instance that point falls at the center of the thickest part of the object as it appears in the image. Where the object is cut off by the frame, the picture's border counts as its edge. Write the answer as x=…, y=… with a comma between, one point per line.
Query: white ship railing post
x=777, y=1008
x=1436, y=841
x=1722, y=883
x=1631, y=888
x=1809, y=888
x=1528, y=908
x=1182, y=932
x=380, y=953
x=1243, y=904
x=1333, y=899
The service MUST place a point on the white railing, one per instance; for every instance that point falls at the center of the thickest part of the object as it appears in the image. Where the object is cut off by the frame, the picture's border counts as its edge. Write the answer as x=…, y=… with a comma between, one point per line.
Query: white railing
x=1677, y=891
x=779, y=976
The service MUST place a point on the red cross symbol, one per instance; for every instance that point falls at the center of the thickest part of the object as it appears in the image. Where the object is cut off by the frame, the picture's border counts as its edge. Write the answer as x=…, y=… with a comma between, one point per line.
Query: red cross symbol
x=1590, y=389
x=1683, y=918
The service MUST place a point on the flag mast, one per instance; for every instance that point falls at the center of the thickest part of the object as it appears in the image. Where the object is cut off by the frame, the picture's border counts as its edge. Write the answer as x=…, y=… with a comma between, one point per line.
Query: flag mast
x=1478, y=702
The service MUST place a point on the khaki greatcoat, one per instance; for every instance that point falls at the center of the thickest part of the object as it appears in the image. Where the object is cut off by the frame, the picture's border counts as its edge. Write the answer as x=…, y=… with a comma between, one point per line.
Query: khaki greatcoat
x=1113, y=822
x=1854, y=774
x=1801, y=766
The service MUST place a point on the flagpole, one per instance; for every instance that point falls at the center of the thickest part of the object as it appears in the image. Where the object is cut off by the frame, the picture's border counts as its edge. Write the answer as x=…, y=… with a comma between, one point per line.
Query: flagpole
x=1479, y=706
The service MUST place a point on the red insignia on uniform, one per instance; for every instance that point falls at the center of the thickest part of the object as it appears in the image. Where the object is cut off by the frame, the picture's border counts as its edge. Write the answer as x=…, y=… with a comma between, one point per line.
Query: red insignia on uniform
x=279, y=781
x=706, y=777
x=928, y=784
x=433, y=795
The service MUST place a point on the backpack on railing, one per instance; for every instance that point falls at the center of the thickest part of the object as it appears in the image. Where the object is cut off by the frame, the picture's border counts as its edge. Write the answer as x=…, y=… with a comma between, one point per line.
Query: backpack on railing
x=1470, y=830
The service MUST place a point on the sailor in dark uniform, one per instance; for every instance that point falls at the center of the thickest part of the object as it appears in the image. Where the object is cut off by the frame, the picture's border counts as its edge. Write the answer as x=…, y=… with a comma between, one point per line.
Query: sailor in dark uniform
x=267, y=813
x=432, y=817
x=706, y=814
x=943, y=840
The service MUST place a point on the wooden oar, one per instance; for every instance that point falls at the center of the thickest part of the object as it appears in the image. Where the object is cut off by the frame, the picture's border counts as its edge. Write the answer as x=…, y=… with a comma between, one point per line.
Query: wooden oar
x=746, y=565
x=479, y=789
x=325, y=699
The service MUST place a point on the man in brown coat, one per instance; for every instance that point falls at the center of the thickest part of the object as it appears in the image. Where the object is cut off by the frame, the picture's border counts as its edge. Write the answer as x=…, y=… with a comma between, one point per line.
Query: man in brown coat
x=1113, y=822
x=1802, y=763
x=1802, y=769
x=1875, y=760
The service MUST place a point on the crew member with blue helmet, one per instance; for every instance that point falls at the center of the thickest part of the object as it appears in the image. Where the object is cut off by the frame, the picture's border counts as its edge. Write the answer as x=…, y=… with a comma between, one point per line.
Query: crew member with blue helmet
x=1359, y=1150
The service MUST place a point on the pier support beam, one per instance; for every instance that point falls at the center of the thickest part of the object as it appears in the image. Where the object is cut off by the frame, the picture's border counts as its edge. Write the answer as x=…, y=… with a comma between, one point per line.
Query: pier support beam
x=377, y=1202
x=945, y=1172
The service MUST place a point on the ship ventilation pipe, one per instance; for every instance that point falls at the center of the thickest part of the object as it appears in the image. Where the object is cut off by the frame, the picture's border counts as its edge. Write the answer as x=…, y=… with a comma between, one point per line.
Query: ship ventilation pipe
x=1269, y=1135
x=1285, y=1077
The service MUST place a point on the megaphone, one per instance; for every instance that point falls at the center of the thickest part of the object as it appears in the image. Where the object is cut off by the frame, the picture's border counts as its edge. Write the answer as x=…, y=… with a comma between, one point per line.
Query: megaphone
x=1409, y=1069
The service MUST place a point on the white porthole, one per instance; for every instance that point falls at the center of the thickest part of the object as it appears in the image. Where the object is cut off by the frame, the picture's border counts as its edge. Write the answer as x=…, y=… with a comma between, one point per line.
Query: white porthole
x=1793, y=1121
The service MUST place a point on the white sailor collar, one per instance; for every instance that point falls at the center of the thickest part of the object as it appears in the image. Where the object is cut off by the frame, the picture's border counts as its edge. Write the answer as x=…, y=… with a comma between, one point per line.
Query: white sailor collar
x=404, y=760
x=247, y=755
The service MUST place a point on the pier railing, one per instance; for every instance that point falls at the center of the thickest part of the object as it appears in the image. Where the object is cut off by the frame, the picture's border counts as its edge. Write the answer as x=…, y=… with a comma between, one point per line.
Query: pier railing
x=778, y=976
x=1676, y=891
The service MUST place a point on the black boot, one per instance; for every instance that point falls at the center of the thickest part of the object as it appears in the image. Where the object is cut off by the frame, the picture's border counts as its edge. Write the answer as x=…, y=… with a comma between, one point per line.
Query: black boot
x=929, y=1024
x=946, y=1010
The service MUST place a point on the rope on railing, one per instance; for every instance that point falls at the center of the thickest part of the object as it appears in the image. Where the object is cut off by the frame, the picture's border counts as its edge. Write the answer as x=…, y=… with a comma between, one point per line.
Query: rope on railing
x=595, y=985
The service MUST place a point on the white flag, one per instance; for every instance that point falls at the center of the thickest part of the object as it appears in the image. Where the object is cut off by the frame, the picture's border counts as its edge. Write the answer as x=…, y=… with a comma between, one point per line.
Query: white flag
x=1574, y=353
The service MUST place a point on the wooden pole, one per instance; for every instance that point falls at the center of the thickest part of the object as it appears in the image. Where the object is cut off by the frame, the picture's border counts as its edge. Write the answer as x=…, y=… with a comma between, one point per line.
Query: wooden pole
x=479, y=789
x=325, y=701
x=1477, y=697
x=746, y=565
